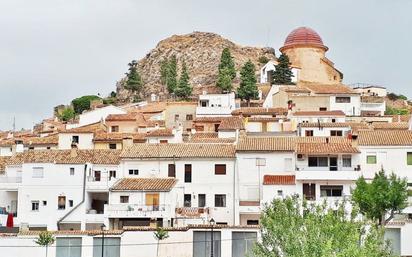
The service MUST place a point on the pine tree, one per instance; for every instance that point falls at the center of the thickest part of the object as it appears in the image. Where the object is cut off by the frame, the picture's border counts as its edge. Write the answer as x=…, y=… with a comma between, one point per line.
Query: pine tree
x=227, y=71
x=247, y=89
x=283, y=73
x=133, y=81
x=171, y=78
x=183, y=89
x=164, y=66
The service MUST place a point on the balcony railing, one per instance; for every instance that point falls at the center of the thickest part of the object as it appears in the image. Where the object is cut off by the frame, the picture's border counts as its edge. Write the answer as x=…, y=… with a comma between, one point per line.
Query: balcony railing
x=135, y=210
x=192, y=211
x=6, y=179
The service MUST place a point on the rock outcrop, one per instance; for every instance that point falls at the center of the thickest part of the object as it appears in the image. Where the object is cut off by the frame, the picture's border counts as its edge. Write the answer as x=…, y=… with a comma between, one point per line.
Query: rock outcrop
x=201, y=51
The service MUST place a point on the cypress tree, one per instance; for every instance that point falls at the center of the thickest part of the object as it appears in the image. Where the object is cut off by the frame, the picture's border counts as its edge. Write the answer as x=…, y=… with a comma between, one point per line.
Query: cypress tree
x=283, y=73
x=133, y=80
x=247, y=89
x=227, y=71
x=184, y=89
x=171, y=79
x=164, y=66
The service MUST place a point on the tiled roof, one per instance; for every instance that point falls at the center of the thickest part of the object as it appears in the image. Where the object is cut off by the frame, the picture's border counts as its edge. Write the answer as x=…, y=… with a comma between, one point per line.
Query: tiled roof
x=370, y=113
x=319, y=113
x=181, y=150
x=401, y=118
x=160, y=133
x=117, y=137
x=262, y=119
x=279, y=180
x=294, y=89
x=266, y=144
x=122, y=117
x=329, y=89
x=144, y=184
x=231, y=123
x=209, y=137
x=390, y=126
x=325, y=148
x=3, y=162
x=29, y=141
x=72, y=232
x=333, y=125
x=246, y=111
x=67, y=157
x=208, y=119
x=372, y=99
x=385, y=138
x=92, y=128
x=205, y=135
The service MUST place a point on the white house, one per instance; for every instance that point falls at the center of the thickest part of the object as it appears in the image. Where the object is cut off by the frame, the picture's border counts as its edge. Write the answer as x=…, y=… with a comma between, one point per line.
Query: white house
x=267, y=70
x=98, y=114
x=214, y=105
x=371, y=90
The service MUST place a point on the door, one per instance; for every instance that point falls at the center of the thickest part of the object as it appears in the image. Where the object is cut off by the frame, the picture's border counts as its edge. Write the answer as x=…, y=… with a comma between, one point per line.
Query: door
x=152, y=199
x=309, y=191
x=97, y=175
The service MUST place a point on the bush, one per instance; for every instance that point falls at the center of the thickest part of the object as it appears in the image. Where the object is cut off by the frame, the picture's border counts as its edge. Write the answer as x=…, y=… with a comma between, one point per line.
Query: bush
x=67, y=114
x=83, y=103
x=396, y=111
x=263, y=60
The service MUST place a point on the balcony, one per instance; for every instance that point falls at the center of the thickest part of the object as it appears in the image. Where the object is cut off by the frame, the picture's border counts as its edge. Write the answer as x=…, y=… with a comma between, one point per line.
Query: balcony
x=249, y=207
x=326, y=174
x=192, y=212
x=136, y=211
x=99, y=183
x=7, y=182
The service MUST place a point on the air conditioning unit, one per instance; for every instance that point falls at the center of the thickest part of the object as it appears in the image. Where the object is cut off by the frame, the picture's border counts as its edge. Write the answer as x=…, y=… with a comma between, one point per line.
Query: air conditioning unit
x=301, y=157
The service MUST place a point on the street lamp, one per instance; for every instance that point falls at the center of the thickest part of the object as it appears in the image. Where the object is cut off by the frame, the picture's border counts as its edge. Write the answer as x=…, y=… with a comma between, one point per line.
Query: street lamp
x=102, y=227
x=212, y=223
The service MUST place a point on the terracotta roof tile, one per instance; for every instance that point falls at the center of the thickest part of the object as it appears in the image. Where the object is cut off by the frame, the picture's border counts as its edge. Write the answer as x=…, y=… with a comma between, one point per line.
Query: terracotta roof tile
x=319, y=113
x=279, y=180
x=92, y=128
x=247, y=111
x=325, y=148
x=232, y=123
x=160, y=133
x=123, y=117
x=117, y=137
x=334, y=125
x=266, y=144
x=329, y=89
x=390, y=126
x=208, y=119
x=385, y=138
x=181, y=150
x=370, y=113
x=3, y=162
x=144, y=184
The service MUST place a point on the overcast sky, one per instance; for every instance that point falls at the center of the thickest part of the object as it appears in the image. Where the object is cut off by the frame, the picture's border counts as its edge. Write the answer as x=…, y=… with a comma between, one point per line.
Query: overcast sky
x=54, y=50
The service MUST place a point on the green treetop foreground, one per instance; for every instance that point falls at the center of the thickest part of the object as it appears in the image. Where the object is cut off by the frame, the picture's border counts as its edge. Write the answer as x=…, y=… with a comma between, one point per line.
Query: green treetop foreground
x=319, y=232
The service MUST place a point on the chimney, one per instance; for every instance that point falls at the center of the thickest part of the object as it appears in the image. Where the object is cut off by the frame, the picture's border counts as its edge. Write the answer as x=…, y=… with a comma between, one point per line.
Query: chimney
x=127, y=142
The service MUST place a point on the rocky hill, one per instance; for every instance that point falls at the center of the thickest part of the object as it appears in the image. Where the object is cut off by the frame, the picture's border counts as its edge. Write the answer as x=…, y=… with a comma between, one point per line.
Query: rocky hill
x=201, y=51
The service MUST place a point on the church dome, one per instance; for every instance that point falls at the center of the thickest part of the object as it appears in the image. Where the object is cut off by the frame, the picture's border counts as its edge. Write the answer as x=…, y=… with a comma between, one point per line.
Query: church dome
x=304, y=36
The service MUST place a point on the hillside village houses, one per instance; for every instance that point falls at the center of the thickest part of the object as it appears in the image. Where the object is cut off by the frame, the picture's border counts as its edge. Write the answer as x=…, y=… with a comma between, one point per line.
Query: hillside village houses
x=180, y=165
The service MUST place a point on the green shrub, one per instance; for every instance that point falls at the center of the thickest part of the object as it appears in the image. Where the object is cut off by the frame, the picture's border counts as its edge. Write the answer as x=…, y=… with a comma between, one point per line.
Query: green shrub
x=81, y=104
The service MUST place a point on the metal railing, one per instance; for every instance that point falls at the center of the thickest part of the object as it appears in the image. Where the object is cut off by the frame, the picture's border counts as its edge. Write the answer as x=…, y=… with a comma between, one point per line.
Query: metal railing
x=6, y=179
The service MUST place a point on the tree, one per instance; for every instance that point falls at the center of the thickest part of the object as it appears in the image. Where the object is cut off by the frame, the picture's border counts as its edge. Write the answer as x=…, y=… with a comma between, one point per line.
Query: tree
x=226, y=71
x=282, y=75
x=290, y=228
x=45, y=239
x=184, y=89
x=67, y=114
x=164, y=69
x=81, y=104
x=171, y=78
x=160, y=234
x=133, y=79
x=247, y=89
x=383, y=196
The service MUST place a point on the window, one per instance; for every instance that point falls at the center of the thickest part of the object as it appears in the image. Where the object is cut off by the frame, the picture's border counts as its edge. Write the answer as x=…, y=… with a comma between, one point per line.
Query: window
x=201, y=200
x=220, y=200
x=44, y=203
x=331, y=191
x=133, y=172
x=112, y=146
x=111, y=247
x=243, y=242
x=31, y=147
x=35, y=205
x=112, y=174
x=323, y=109
x=187, y=200
x=61, y=202
x=153, y=199
x=97, y=175
x=124, y=199
x=347, y=161
x=217, y=127
x=171, y=170
x=69, y=246
x=75, y=139
x=342, y=99
x=333, y=120
x=371, y=159
x=176, y=117
x=203, y=103
x=114, y=128
x=72, y=171
x=70, y=203
x=252, y=222
x=317, y=161
x=38, y=172
x=188, y=173
x=220, y=169
x=189, y=116
x=309, y=133
x=202, y=244
x=163, y=141
x=336, y=133
x=309, y=191
x=280, y=193
x=409, y=158
x=48, y=148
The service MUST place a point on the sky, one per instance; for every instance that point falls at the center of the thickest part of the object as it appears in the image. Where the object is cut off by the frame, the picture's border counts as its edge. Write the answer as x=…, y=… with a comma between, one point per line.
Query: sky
x=52, y=51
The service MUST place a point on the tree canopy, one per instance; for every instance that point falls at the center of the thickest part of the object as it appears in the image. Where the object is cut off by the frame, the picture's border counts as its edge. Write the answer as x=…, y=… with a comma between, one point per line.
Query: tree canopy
x=290, y=229
x=171, y=75
x=184, y=89
x=226, y=71
x=82, y=103
x=247, y=89
x=133, y=79
x=282, y=75
x=67, y=114
x=384, y=196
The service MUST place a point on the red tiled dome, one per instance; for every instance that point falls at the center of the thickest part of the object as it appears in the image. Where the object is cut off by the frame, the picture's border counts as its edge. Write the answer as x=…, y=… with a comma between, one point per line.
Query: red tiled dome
x=304, y=36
